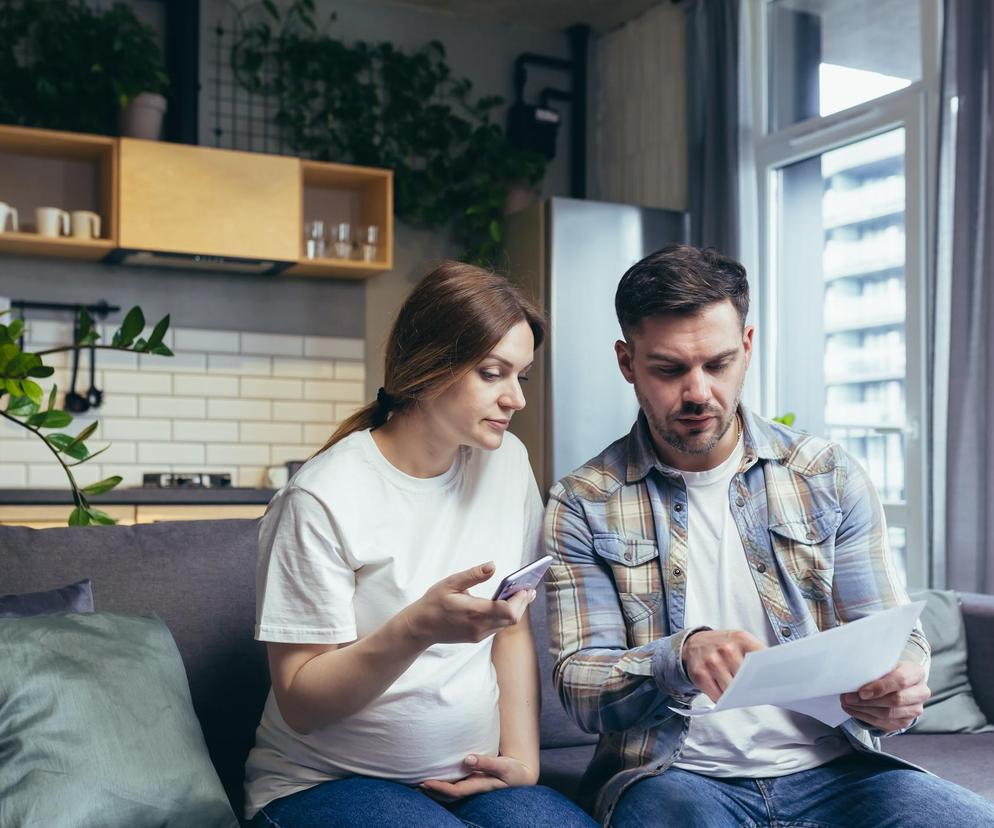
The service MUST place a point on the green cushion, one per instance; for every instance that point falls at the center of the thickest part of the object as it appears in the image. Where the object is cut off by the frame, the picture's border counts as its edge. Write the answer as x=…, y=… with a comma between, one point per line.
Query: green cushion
x=97, y=728
x=952, y=708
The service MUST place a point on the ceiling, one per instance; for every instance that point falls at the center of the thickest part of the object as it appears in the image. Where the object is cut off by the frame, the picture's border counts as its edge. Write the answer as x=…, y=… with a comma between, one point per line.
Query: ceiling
x=549, y=15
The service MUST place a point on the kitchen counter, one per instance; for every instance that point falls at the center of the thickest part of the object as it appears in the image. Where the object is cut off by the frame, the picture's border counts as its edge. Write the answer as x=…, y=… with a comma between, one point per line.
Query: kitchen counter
x=138, y=495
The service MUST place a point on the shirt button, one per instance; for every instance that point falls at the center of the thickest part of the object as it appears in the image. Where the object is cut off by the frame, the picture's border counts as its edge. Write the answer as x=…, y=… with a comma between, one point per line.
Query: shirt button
x=810, y=536
x=678, y=507
x=740, y=501
x=628, y=556
x=761, y=568
x=678, y=573
x=785, y=631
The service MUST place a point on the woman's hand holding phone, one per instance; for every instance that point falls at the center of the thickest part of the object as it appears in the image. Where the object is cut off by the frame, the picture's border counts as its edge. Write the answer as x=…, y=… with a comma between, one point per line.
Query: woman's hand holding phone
x=485, y=773
x=448, y=614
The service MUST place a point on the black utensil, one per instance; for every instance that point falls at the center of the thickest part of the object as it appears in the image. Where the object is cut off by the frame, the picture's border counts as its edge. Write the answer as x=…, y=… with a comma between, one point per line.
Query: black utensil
x=74, y=402
x=93, y=396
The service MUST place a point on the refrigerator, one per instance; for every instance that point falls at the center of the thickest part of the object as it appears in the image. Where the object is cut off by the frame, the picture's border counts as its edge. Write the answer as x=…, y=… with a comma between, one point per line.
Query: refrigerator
x=569, y=255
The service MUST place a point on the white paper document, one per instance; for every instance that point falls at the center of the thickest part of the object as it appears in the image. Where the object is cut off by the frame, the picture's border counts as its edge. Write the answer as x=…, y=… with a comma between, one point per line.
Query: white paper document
x=808, y=675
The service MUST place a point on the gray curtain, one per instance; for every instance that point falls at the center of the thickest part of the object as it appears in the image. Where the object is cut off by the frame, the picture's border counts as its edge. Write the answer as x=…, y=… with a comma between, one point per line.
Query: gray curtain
x=713, y=123
x=968, y=70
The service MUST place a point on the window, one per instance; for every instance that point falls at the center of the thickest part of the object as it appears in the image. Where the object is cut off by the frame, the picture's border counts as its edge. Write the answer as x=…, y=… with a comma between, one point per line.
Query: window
x=842, y=223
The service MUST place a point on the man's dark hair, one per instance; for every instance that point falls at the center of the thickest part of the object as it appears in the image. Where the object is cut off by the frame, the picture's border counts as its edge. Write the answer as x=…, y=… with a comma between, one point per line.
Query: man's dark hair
x=679, y=279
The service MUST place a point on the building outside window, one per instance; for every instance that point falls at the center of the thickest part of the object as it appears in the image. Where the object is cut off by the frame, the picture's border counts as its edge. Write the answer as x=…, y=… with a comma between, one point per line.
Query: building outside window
x=842, y=218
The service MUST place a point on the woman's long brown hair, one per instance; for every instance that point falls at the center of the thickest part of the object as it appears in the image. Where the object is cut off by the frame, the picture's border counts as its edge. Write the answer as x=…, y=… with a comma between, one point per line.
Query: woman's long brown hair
x=453, y=318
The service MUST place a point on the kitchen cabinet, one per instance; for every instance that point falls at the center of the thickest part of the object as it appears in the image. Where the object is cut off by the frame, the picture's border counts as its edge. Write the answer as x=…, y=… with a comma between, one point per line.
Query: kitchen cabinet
x=199, y=203
x=49, y=516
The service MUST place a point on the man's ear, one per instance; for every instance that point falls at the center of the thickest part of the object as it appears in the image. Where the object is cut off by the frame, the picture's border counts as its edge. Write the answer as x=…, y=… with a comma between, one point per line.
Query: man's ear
x=624, y=353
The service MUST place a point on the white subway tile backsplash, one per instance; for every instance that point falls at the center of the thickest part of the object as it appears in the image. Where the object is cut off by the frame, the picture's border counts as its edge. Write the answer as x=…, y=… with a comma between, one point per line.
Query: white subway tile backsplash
x=228, y=401
x=206, y=431
x=334, y=390
x=127, y=428
x=171, y=453
x=271, y=432
x=188, y=363
x=239, y=410
x=47, y=332
x=335, y=347
x=205, y=385
x=13, y=475
x=242, y=365
x=175, y=408
x=317, y=434
x=303, y=368
x=346, y=370
x=271, y=388
x=281, y=454
x=345, y=410
x=272, y=344
x=243, y=454
x=135, y=382
x=300, y=412
x=212, y=342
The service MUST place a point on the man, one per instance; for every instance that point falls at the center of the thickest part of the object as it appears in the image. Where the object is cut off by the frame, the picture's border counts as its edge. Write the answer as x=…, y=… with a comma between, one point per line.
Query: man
x=706, y=533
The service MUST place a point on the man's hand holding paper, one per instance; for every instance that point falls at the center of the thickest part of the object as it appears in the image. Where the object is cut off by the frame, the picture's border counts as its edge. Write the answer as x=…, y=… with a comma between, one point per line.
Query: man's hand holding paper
x=855, y=665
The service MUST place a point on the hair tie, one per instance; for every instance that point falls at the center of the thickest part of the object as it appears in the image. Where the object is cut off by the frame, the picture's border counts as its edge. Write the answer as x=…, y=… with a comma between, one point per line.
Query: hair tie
x=385, y=401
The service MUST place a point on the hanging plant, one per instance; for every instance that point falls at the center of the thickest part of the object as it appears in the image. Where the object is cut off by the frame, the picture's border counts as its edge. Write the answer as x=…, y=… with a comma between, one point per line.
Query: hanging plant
x=375, y=105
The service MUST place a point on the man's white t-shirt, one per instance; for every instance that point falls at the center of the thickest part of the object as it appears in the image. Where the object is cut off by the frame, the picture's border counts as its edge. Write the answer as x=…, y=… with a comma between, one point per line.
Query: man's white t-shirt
x=347, y=544
x=752, y=742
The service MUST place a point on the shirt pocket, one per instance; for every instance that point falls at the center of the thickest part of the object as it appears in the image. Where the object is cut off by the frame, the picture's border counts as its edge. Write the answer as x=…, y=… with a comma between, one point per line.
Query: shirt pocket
x=805, y=547
x=634, y=564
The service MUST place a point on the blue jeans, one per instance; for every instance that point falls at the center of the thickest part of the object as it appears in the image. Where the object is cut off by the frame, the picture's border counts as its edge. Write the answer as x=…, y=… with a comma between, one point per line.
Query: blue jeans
x=855, y=791
x=361, y=802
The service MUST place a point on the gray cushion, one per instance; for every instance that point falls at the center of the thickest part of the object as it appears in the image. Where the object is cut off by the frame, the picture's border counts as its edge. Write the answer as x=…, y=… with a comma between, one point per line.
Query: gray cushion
x=951, y=708
x=76, y=597
x=563, y=767
x=963, y=758
x=199, y=578
x=558, y=729
x=97, y=729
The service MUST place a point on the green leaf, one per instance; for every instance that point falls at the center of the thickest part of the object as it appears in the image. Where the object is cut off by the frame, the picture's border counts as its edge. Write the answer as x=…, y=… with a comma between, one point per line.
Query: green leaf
x=79, y=517
x=87, y=432
x=134, y=324
x=161, y=350
x=102, y=486
x=32, y=390
x=96, y=516
x=14, y=387
x=85, y=326
x=51, y=397
x=40, y=371
x=7, y=353
x=21, y=406
x=67, y=444
x=140, y=345
x=15, y=328
x=495, y=230
x=159, y=332
x=91, y=456
x=51, y=419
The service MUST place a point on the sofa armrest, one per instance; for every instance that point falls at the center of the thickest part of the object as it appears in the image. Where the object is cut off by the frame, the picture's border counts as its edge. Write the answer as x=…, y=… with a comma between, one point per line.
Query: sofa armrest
x=978, y=617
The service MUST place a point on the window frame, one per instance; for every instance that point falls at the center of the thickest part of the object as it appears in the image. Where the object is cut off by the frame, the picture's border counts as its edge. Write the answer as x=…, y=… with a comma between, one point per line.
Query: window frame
x=914, y=109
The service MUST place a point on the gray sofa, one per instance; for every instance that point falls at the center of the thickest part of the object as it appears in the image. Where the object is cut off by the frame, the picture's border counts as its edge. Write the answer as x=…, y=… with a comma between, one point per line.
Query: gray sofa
x=199, y=577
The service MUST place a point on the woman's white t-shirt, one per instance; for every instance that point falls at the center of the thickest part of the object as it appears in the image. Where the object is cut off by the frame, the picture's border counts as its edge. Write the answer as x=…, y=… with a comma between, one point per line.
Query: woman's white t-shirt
x=347, y=544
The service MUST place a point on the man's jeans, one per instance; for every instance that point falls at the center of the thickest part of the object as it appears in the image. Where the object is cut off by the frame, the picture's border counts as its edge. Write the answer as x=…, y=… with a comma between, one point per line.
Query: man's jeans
x=855, y=791
x=361, y=802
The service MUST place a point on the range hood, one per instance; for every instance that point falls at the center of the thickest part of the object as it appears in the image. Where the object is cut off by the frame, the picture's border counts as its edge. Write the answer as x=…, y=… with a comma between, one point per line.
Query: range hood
x=192, y=207
x=196, y=261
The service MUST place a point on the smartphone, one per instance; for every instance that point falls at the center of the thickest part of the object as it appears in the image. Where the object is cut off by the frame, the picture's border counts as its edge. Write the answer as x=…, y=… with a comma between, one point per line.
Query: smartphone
x=528, y=577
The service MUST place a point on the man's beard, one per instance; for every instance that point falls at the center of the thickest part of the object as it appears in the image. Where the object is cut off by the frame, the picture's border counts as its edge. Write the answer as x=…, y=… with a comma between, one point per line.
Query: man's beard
x=661, y=429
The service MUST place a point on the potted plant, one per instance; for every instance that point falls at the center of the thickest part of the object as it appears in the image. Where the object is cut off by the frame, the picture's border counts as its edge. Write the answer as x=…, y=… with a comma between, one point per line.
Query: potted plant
x=65, y=65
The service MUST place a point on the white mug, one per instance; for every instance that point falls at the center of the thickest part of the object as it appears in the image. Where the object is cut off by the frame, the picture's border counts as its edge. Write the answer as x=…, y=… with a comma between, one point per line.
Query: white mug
x=51, y=221
x=85, y=224
x=5, y=210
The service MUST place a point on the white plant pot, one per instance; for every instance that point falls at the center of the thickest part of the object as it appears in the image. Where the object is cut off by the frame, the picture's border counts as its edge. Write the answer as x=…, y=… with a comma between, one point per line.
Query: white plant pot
x=142, y=117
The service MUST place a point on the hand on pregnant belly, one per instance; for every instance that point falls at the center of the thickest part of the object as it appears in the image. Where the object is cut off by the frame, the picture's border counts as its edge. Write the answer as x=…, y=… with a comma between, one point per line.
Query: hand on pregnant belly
x=485, y=773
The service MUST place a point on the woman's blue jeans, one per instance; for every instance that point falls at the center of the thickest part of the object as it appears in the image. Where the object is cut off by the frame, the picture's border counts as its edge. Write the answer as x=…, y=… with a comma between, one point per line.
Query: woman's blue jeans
x=362, y=802
x=856, y=791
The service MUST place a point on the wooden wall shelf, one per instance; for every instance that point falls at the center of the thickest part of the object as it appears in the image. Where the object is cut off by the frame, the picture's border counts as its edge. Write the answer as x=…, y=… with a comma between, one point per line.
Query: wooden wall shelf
x=171, y=198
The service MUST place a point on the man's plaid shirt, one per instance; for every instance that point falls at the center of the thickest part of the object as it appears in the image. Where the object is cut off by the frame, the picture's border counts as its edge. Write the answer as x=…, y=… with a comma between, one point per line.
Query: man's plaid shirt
x=814, y=534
